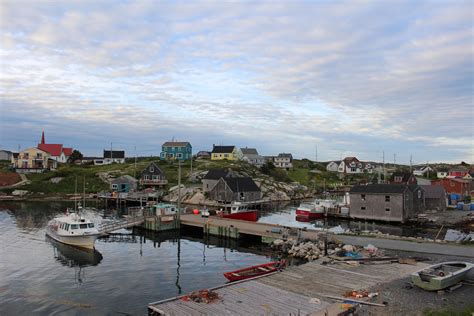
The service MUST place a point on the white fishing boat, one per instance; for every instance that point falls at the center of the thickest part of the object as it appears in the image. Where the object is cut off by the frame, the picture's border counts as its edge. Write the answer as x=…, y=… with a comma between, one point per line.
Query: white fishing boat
x=73, y=229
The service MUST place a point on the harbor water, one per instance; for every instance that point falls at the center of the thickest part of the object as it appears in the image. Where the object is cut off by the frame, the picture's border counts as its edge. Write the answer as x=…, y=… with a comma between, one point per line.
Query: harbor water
x=126, y=272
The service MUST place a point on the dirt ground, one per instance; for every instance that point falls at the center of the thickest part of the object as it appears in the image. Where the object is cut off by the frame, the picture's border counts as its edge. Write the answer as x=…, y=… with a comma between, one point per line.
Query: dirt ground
x=8, y=178
x=405, y=299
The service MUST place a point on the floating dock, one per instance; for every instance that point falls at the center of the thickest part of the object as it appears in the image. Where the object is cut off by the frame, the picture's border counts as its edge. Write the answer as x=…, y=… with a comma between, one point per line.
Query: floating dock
x=300, y=290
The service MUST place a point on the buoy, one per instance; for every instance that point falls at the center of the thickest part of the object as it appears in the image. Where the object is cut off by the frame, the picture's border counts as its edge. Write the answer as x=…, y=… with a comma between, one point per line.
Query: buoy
x=195, y=211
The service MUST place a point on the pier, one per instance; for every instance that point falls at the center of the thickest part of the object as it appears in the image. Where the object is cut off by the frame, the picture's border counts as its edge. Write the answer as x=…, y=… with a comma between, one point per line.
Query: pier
x=300, y=290
x=232, y=228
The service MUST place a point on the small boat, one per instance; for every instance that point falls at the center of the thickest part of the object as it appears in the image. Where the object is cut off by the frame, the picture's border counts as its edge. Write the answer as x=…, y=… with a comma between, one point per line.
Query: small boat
x=441, y=275
x=254, y=271
x=316, y=209
x=73, y=229
x=238, y=210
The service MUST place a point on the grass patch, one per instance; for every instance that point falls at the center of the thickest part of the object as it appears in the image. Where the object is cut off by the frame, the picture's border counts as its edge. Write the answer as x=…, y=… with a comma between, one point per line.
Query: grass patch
x=449, y=311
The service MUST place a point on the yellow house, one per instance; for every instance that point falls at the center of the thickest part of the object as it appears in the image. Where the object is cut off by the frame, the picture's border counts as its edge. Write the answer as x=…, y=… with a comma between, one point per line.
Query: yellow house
x=33, y=160
x=226, y=153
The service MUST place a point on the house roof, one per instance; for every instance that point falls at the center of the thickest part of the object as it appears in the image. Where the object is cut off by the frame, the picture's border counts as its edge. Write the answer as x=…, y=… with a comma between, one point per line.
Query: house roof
x=176, y=144
x=348, y=160
x=6, y=151
x=405, y=175
x=249, y=151
x=53, y=149
x=242, y=184
x=423, y=181
x=67, y=151
x=115, y=154
x=285, y=155
x=216, y=174
x=433, y=191
x=378, y=188
x=223, y=149
x=459, y=169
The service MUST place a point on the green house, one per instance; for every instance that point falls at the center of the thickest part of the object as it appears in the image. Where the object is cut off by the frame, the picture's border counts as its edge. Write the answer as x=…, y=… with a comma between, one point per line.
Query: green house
x=176, y=151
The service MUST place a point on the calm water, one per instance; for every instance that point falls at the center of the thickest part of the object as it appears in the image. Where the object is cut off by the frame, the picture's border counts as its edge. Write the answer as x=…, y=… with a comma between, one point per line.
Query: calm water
x=39, y=276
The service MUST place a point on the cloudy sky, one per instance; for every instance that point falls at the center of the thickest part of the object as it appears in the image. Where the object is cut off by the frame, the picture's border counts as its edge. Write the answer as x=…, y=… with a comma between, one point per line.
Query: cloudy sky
x=348, y=78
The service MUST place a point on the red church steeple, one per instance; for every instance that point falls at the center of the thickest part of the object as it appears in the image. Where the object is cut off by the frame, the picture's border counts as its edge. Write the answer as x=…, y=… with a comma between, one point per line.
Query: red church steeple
x=42, y=138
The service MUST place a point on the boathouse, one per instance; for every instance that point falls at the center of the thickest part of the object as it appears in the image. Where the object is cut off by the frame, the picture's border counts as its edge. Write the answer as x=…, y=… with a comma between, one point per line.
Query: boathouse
x=242, y=189
x=435, y=197
x=386, y=202
x=124, y=184
x=213, y=176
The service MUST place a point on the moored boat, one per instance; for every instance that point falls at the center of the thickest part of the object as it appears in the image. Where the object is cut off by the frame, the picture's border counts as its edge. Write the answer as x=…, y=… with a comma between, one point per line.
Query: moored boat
x=254, y=271
x=73, y=229
x=441, y=275
x=238, y=210
x=310, y=211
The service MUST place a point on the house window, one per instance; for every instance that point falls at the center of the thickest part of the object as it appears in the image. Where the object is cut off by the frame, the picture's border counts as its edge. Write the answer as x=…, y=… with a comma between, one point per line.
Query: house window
x=179, y=156
x=353, y=169
x=362, y=208
x=387, y=198
x=362, y=197
x=226, y=155
x=154, y=177
x=39, y=155
x=419, y=194
x=242, y=196
x=145, y=177
x=152, y=169
x=114, y=186
x=398, y=179
x=387, y=209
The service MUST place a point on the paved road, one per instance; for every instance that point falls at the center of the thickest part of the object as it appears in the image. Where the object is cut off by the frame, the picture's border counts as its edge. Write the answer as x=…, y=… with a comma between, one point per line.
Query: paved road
x=421, y=247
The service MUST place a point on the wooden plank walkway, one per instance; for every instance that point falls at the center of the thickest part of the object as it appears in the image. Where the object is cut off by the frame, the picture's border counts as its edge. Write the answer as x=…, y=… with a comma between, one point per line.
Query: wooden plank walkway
x=291, y=292
x=120, y=224
x=246, y=227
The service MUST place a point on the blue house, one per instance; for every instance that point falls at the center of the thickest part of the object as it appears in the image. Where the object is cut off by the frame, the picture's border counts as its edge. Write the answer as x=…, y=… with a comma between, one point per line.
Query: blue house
x=176, y=151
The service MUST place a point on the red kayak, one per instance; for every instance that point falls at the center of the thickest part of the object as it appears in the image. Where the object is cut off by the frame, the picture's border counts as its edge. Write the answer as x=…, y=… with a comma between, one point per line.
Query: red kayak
x=254, y=271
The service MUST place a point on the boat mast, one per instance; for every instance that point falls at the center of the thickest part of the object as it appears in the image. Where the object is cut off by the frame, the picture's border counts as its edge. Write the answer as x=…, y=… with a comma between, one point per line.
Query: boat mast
x=84, y=194
x=75, y=196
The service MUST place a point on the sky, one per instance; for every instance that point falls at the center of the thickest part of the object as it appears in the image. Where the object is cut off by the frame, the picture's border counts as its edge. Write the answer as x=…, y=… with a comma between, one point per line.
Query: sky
x=370, y=79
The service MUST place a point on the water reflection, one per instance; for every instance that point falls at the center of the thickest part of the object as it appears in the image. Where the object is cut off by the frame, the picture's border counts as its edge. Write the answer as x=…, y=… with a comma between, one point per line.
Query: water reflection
x=74, y=257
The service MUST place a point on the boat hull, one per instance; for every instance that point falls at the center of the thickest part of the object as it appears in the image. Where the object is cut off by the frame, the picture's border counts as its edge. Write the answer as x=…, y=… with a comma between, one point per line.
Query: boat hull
x=253, y=271
x=83, y=241
x=251, y=216
x=309, y=214
x=435, y=282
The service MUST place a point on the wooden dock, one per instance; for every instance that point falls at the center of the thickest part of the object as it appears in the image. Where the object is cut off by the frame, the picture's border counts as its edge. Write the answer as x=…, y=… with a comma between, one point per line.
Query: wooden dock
x=225, y=227
x=300, y=290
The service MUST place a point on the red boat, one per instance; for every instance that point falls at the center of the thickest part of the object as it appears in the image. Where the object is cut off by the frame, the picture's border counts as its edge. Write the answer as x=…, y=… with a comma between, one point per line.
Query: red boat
x=237, y=210
x=251, y=216
x=310, y=211
x=250, y=272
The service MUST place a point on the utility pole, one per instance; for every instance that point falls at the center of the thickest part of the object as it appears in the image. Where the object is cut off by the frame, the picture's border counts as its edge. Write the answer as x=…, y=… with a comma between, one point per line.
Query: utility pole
x=411, y=163
x=394, y=160
x=136, y=163
x=383, y=161
x=111, y=158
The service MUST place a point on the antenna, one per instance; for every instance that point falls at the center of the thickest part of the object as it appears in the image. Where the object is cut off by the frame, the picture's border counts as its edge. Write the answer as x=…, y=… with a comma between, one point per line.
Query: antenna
x=411, y=163
x=394, y=160
x=136, y=161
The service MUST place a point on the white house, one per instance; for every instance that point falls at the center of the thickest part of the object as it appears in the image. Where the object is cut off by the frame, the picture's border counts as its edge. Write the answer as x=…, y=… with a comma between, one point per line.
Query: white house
x=283, y=160
x=252, y=157
x=333, y=166
x=441, y=174
x=422, y=171
x=111, y=156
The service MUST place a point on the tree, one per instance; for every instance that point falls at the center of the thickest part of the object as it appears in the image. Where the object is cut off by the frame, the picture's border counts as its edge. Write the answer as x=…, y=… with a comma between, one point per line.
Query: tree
x=76, y=155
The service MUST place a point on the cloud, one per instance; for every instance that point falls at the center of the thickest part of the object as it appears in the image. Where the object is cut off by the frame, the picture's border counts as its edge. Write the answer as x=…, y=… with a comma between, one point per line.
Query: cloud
x=283, y=76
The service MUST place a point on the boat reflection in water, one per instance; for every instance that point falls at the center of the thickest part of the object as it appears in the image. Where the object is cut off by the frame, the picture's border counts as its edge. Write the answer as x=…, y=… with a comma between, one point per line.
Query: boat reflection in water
x=74, y=256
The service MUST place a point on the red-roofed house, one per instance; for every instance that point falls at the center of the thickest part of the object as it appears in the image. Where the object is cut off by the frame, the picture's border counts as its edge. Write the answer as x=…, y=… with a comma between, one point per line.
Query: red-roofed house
x=57, y=151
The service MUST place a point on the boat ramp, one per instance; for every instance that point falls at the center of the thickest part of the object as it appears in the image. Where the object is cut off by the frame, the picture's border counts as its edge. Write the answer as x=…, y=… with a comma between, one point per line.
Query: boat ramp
x=308, y=289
